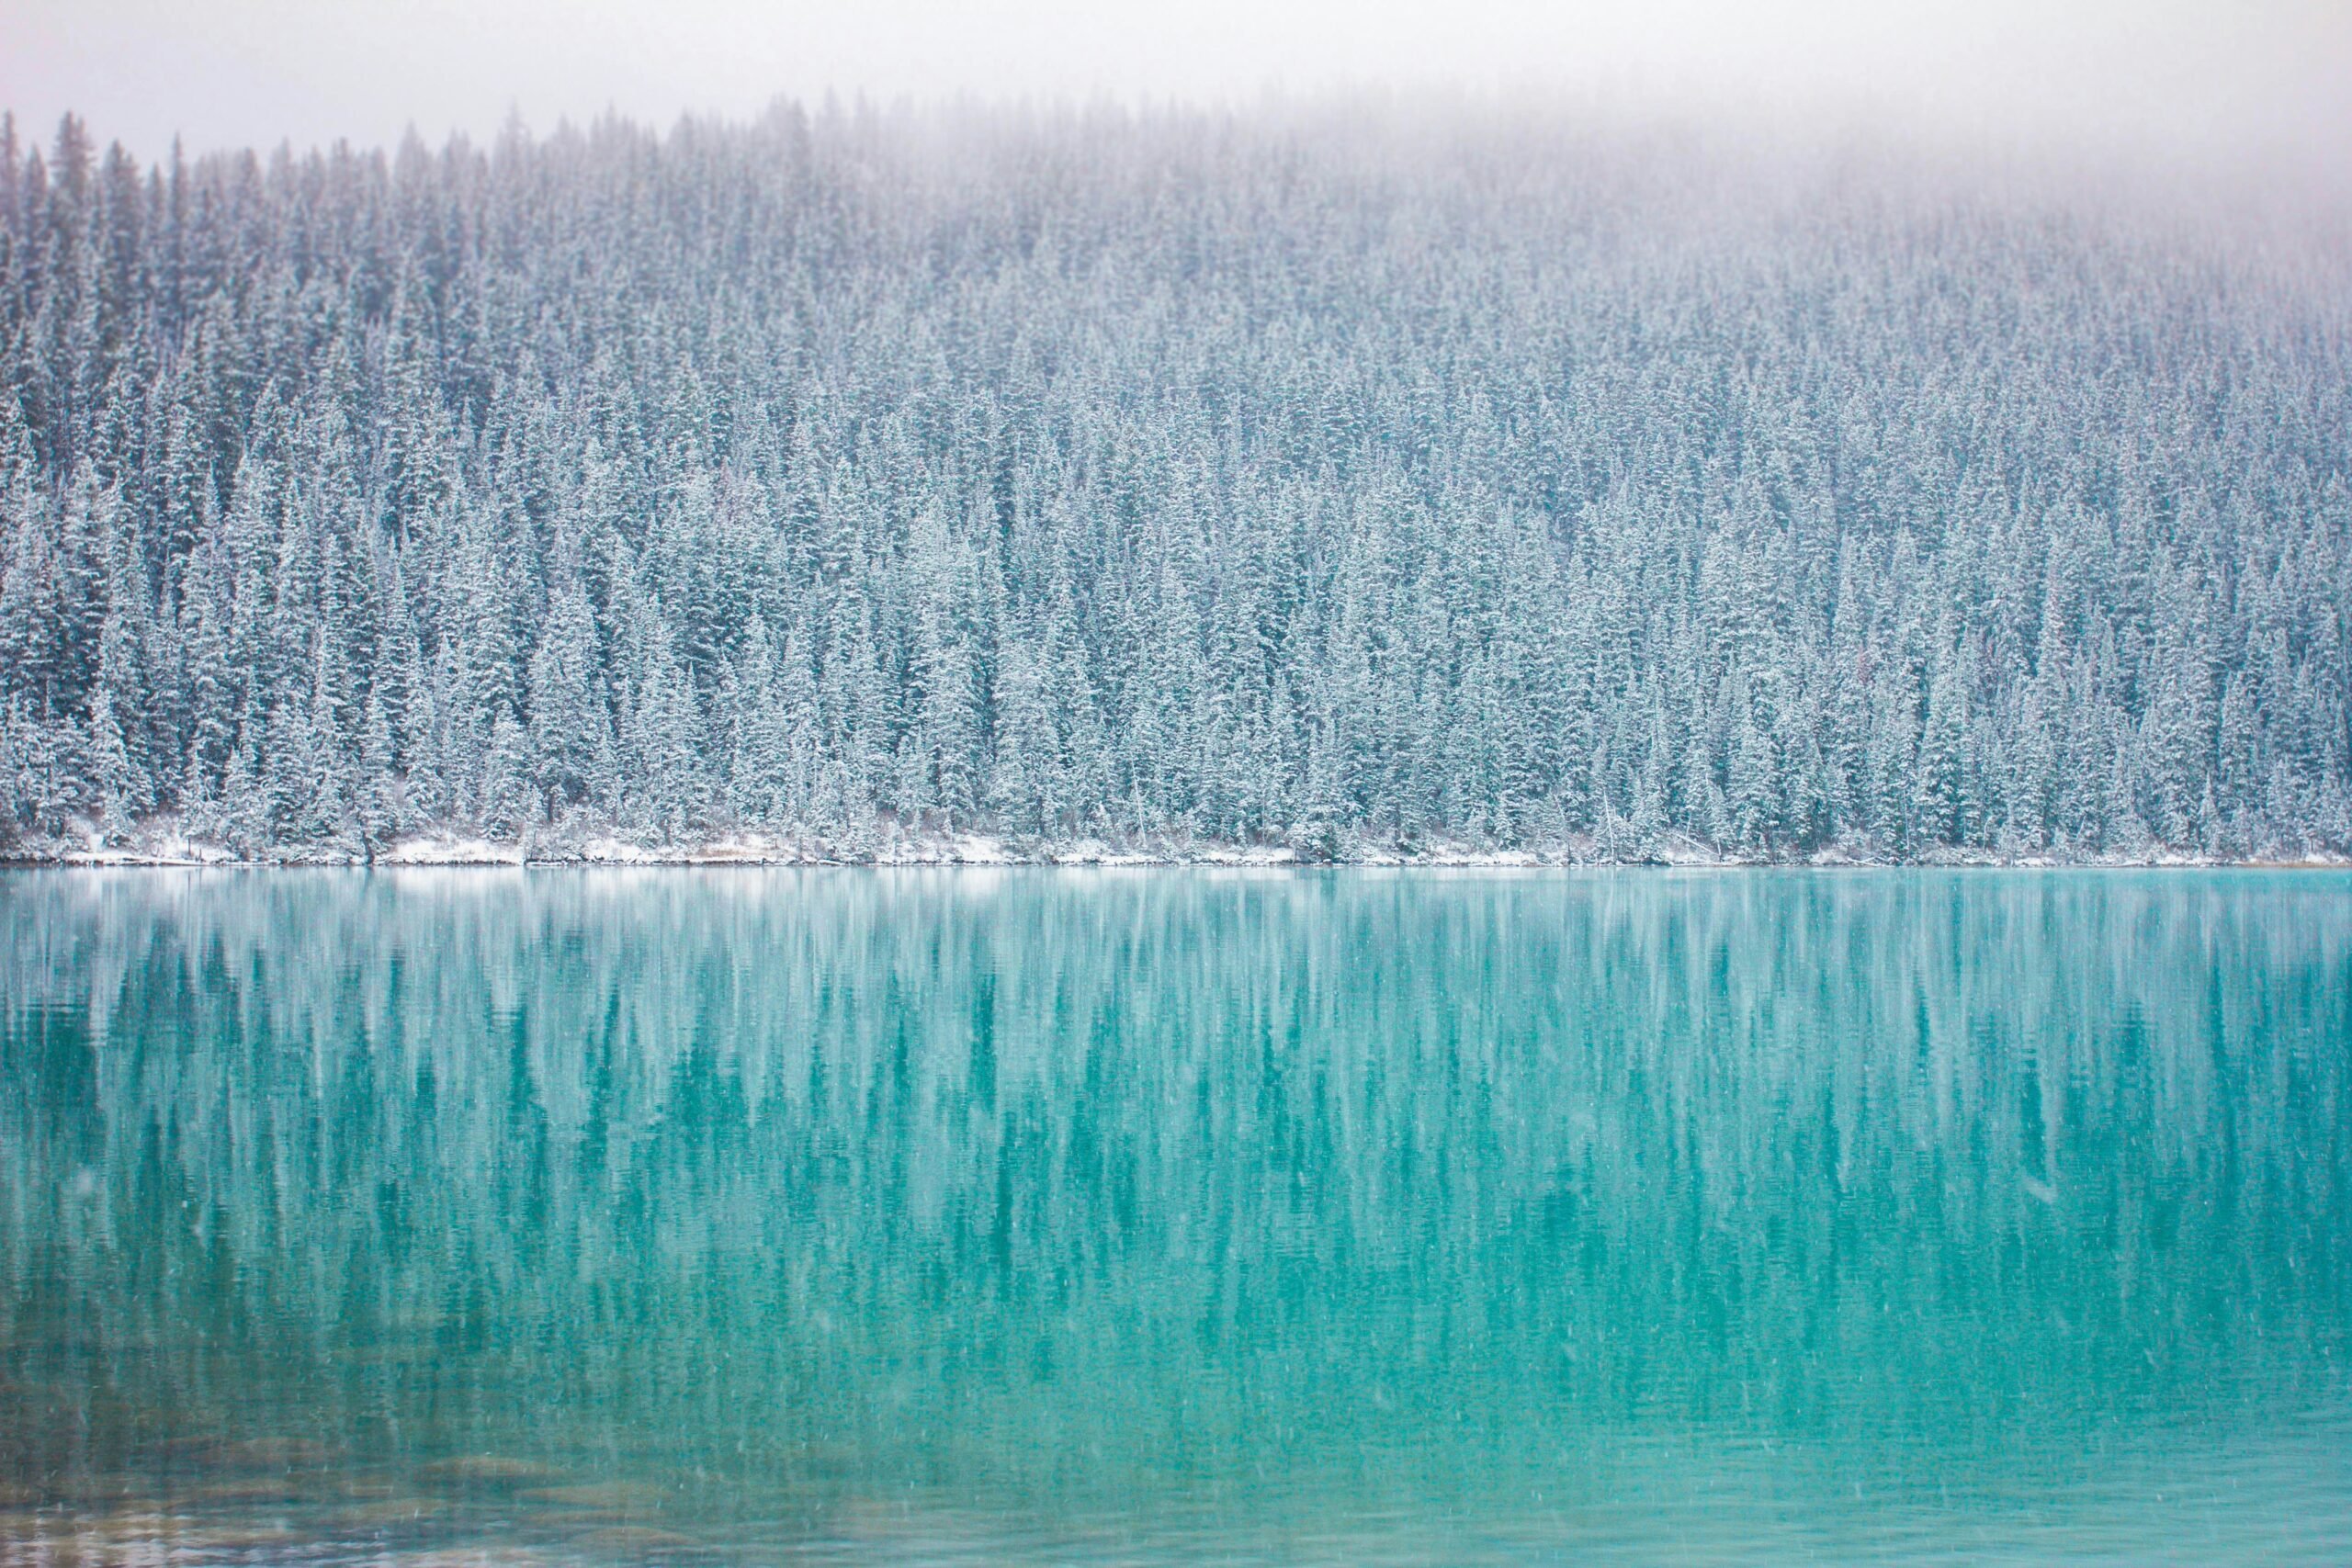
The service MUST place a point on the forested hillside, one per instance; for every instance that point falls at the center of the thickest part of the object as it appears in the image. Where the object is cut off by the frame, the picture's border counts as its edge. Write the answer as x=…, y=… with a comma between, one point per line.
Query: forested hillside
x=1153, y=480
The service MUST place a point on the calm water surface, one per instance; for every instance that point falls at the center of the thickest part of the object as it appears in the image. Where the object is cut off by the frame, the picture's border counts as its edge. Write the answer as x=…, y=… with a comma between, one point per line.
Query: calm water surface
x=1166, y=1216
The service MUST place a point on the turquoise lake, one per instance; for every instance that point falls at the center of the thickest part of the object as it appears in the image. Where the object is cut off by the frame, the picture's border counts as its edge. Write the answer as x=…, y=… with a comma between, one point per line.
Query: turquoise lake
x=1354, y=1217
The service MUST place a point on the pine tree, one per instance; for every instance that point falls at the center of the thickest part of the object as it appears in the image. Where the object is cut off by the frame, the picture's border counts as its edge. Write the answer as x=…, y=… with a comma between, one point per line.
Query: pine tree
x=570, y=737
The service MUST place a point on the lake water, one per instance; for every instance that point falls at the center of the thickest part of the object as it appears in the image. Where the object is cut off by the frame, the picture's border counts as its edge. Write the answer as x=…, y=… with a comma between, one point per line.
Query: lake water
x=857, y=1217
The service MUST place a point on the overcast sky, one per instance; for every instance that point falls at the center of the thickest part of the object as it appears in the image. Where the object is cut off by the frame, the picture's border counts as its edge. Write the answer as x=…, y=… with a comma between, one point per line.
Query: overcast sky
x=2270, y=79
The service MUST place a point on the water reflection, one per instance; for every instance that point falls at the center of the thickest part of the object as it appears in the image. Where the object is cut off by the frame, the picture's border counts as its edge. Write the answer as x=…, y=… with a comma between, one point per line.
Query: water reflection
x=1135, y=1215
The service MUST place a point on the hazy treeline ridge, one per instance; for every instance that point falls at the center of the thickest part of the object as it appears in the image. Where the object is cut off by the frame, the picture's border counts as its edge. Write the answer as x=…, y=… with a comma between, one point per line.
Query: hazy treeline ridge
x=1335, y=483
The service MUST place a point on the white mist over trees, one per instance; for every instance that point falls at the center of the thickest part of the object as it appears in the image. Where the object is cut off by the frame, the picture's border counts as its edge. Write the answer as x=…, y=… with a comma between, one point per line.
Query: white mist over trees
x=1280, y=479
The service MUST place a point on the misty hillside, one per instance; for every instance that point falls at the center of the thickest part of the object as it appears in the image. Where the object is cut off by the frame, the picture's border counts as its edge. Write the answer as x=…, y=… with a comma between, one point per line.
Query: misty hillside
x=1158, y=480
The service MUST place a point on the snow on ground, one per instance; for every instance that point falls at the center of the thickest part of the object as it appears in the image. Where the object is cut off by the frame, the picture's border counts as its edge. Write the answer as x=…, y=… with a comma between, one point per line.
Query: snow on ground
x=443, y=850
x=163, y=842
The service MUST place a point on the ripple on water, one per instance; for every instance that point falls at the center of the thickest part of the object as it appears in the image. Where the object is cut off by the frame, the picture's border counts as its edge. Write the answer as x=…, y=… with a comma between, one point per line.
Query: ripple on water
x=493, y=1469
x=613, y=1496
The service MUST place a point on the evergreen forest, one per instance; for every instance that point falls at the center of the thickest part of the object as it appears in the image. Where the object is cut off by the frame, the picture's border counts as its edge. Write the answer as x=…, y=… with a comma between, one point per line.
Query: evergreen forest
x=1343, y=484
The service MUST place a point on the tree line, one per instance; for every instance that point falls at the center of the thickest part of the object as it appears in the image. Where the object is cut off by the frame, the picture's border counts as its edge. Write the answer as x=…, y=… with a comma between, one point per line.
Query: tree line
x=1336, y=481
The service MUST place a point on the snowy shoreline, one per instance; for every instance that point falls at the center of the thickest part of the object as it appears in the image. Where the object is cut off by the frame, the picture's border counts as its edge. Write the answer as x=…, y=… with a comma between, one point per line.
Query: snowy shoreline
x=887, y=845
